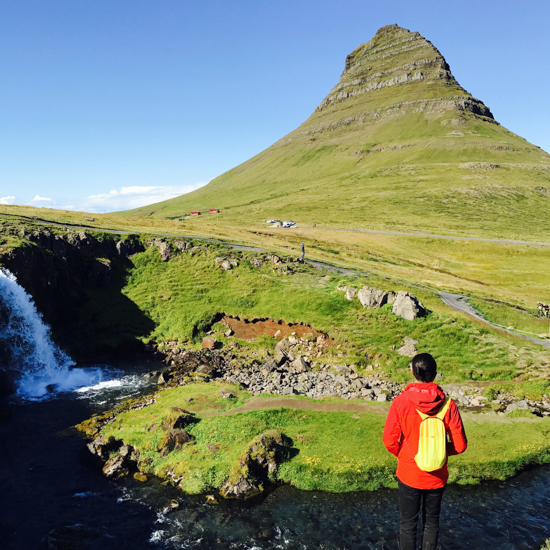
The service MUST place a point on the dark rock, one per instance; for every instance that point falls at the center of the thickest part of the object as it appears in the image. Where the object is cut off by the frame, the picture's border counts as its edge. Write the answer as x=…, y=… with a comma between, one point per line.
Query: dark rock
x=7, y=383
x=102, y=448
x=116, y=466
x=173, y=440
x=251, y=472
x=177, y=420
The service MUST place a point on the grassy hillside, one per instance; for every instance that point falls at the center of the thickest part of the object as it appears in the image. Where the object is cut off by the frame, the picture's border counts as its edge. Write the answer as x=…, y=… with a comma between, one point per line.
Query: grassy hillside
x=398, y=145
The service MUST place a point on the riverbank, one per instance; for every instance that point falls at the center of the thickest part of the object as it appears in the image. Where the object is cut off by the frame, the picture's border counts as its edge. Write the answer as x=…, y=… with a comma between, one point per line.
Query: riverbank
x=335, y=446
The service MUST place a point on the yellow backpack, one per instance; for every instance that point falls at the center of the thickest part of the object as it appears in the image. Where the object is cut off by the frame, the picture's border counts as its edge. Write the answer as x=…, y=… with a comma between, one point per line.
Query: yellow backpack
x=432, y=440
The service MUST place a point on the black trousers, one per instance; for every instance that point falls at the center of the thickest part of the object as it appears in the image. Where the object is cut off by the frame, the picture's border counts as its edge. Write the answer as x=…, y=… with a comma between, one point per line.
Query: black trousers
x=413, y=502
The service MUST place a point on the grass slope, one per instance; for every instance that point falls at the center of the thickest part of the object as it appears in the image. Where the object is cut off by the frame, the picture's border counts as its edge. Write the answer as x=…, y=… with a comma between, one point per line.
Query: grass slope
x=400, y=157
x=183, y=296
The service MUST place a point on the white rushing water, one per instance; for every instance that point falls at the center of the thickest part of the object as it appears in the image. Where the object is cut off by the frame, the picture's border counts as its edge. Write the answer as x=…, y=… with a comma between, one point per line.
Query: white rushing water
x=26, y=347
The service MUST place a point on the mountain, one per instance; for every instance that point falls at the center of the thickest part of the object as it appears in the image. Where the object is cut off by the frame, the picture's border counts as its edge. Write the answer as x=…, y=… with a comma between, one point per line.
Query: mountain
x=396, y=144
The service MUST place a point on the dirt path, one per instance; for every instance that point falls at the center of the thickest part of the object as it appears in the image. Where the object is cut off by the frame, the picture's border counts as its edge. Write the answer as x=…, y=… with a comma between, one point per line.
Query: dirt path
x=257, y=403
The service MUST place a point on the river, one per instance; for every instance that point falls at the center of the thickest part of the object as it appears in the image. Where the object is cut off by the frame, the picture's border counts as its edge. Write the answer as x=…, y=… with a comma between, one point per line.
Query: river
x=46, y=485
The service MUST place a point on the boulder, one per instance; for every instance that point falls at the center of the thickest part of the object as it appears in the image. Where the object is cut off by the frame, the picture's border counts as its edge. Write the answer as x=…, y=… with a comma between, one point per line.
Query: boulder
x=178, y=420
x=226, y=265
x=256, y=262
x=173, y=440
x=350, y=293
x=209, y=343
x=408, y=307
x=300, y=364
x=262, y=457
x=281, y=350
x=408, y=349
x=517, y=405
x=102, y=447
x=372, y=298
x=116, y=466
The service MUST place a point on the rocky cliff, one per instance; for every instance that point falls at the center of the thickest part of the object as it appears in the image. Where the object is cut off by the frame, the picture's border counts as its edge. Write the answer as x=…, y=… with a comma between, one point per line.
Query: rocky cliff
x=75, y=279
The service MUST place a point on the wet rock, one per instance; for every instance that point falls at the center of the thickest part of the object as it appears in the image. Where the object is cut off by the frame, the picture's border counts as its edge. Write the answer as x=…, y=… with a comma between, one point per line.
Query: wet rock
x=116, y=466
x=210, y=499
x=140, y=477
x=408, y=307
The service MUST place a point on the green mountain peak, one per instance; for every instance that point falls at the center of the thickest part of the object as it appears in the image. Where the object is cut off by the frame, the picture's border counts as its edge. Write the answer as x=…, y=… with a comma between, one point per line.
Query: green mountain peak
x=396, y=144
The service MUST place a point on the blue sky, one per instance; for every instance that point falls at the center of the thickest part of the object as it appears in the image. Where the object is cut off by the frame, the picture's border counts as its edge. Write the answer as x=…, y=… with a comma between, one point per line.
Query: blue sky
x=106, y=105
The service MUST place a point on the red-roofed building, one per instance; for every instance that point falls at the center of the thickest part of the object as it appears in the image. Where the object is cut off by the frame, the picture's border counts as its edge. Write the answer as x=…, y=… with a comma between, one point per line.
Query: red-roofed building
x=195, y=213
x=214, y=211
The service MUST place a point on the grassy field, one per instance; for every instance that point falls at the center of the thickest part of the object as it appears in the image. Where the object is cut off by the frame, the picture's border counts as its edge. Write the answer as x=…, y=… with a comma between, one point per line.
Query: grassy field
x=513, y=274
x=335, y=451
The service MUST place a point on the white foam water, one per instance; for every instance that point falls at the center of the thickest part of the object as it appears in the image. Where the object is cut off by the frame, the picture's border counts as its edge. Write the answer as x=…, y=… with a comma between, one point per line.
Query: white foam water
x=28, y=348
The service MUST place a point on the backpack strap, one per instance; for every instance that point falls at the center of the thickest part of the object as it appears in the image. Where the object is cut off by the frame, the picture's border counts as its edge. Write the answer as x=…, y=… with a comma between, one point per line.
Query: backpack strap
x=440, y=414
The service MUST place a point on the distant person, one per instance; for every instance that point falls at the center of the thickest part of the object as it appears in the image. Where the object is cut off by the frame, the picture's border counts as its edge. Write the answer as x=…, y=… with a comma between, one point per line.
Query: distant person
x=421, y=466
x=303, y=251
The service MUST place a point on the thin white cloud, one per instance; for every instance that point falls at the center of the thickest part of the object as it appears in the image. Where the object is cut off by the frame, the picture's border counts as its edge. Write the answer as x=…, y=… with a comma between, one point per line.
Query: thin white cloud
x=7, y=200
x=38, y=198
x=134, y=196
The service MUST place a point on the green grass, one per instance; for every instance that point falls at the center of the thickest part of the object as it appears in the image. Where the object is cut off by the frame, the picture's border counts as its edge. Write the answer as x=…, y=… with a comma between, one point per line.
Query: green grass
x=183, y=296
x=332, y=451
x=517, y=319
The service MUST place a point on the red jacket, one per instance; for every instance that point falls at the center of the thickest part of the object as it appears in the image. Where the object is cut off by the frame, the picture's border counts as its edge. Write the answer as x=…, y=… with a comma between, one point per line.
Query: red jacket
x=403, y=422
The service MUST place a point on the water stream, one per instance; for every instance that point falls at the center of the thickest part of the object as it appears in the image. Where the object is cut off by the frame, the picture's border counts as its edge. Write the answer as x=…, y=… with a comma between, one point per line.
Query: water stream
x=47, y=485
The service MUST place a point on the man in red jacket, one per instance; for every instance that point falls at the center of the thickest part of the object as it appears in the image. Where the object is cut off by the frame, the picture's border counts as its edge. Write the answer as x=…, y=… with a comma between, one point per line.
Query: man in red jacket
x=420, y=490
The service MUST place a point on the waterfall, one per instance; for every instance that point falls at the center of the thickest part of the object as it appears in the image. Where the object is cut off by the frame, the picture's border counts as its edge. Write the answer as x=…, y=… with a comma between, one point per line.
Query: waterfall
x=26, y=347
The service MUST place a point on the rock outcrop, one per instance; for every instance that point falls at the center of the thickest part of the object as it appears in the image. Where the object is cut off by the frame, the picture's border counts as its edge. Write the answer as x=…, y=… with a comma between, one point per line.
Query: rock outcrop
x=408, y=306
x=373, y=298
x=252, y=471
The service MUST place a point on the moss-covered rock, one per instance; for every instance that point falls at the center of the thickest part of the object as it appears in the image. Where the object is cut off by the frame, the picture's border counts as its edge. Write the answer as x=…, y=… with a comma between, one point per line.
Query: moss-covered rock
x=256, y=466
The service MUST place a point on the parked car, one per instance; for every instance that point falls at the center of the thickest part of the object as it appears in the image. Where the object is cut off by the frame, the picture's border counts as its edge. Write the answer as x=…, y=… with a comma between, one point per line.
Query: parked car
x=289, y=224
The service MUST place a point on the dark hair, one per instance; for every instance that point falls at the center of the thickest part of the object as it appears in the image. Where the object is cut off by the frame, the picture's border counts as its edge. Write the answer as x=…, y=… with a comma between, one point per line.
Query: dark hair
x=424, y=367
